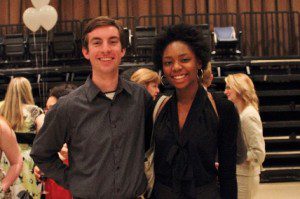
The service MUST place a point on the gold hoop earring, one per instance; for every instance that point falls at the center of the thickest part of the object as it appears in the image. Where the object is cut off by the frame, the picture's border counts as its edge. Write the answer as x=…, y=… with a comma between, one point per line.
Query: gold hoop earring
x=201, y=74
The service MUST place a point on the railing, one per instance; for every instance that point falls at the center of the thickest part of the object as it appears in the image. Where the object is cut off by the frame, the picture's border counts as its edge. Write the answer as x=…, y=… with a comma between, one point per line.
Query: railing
x=158, y=21
x=264, y=33
x=12, y=29
x=215, y=19
x=271, y=33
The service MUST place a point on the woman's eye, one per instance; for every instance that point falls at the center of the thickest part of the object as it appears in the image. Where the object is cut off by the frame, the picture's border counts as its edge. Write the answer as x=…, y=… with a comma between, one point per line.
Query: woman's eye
x=167, y=63
x=185, y=60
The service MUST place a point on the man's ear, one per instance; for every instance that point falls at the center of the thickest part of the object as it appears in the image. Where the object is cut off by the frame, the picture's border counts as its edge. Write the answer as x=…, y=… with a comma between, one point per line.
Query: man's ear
x=123, y=52
x=85, y=53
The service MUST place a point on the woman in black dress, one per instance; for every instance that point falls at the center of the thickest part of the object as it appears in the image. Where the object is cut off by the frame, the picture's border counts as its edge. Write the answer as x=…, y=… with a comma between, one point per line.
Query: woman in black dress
x=188, y=133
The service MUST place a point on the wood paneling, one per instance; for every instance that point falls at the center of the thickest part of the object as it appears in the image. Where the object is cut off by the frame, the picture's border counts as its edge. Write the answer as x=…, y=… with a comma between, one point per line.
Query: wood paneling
x=12, y=10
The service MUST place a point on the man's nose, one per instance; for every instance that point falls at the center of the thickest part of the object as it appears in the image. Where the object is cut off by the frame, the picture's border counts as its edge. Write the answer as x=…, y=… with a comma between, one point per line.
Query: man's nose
x=106, y=47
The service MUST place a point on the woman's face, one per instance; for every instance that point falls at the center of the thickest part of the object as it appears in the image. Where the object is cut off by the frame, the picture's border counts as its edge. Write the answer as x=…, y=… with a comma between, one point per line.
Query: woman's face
x=231, y=94
x=153, y=89
x=50, y=102
x=180, y=65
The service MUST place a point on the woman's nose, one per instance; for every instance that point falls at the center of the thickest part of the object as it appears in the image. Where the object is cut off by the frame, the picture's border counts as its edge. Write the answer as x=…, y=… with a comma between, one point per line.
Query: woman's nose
x=176, y=66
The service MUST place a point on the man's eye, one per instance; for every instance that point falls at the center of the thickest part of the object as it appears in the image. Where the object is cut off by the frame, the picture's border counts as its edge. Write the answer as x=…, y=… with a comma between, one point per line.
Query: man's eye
x=96, y=43
x=114, y=41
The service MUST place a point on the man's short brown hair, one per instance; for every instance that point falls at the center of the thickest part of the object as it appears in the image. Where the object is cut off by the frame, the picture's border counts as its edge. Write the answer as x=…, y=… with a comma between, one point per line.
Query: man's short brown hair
x=99, y=22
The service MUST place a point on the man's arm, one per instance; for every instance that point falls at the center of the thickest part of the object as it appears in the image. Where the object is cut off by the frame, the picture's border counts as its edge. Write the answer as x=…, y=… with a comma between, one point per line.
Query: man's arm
x=227, y=151
x=149, y=106
x=49, y=141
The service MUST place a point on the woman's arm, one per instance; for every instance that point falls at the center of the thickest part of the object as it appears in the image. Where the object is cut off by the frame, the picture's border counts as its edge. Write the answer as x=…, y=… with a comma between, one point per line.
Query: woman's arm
x=9, y=146
x=253, y=132
x=39, y=121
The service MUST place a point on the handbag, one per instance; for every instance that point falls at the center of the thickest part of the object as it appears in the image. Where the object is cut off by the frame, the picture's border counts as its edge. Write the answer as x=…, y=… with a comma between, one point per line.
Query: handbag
x=149, y=162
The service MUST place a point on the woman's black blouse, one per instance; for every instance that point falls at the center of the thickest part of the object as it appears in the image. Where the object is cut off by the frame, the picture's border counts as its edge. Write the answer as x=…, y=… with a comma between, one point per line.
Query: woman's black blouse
x=190, y=155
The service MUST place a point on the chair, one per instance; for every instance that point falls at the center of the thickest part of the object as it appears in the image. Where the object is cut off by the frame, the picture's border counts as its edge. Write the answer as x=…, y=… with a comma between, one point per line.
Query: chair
x=64, y=45
x=204, y=29
x=127, y=40
x=1, y=49
x=14, y=47
x=144, y=41
x=38, y=45
x=226, y=43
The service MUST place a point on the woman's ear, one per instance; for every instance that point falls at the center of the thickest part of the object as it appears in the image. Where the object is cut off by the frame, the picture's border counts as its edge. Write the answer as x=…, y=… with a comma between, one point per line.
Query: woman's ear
x=199, y=65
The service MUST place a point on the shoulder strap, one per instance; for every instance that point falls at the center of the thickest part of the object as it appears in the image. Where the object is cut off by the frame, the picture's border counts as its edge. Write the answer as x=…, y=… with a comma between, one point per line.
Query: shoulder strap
x=158, y=107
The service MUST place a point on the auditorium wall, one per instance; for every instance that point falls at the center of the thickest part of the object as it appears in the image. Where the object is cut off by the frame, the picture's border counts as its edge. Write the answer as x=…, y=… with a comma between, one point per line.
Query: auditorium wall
x=11, y=10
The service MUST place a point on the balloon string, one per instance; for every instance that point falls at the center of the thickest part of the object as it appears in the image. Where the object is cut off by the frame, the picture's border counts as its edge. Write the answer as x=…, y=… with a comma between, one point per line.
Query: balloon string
x=42, y=49
x=47, y=47
x=45, y=85
x=35, y=49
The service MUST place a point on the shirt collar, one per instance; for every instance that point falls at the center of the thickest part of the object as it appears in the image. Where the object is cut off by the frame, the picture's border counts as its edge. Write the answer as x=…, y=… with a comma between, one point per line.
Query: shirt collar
x=92, y=90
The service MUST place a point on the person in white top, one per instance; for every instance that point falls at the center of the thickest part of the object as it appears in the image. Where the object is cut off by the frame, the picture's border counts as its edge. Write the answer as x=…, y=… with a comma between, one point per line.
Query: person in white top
x=240, y=90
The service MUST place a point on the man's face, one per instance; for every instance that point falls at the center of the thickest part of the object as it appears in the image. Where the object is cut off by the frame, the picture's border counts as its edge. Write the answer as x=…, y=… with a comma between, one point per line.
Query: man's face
x=104, y=49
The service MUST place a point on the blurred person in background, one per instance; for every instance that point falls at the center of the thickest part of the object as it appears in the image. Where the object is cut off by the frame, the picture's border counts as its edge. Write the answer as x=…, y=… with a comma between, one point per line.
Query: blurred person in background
x=9, y=146
x=148, y=78
x=240, y=90
x=26, y=119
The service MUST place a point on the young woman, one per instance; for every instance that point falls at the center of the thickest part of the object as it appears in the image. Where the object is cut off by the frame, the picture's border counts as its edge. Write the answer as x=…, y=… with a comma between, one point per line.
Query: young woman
x=240, y=90
x=26, y=119
x=9, y=145
x=148, y=78
x=187, y=132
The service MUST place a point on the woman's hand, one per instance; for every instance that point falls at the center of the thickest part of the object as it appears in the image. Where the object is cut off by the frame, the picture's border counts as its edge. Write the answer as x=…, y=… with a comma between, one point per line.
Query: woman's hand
x=37, y=173
x=63, y=154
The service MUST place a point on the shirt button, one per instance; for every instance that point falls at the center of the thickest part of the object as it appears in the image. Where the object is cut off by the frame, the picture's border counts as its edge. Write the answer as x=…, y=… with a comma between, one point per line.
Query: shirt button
x=118, y=167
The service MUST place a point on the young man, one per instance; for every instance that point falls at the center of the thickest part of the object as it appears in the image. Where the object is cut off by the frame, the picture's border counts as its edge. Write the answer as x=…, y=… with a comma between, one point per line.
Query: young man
x=103, y=123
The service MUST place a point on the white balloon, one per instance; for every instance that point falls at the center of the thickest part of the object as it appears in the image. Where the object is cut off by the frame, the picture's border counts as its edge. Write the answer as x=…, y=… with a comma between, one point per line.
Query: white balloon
x=31, y=19
x=48, y=17
x=39, y=3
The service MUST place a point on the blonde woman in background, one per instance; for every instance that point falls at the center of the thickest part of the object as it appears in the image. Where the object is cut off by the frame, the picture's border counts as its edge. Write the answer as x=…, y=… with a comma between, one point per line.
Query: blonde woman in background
x=240, y=90
x=148, y=78
x=9, y=145
x=25, y=119
x=207, y=76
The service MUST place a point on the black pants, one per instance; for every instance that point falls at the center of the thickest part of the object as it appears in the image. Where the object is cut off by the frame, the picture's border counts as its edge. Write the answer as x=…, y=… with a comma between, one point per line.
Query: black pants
x=188, y=191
